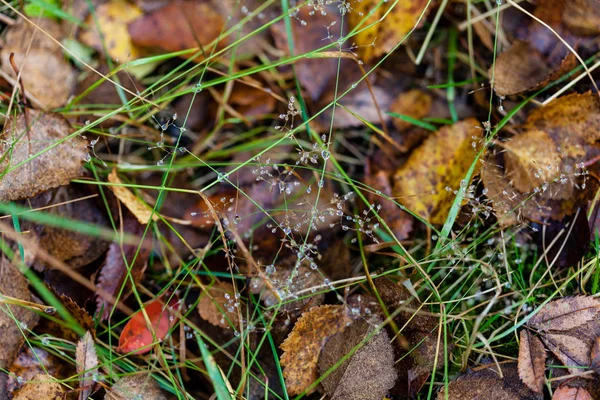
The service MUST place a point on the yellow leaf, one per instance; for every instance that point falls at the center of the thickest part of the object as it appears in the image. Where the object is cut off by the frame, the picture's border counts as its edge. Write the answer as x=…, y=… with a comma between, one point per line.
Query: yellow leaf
x=403, y=16
x=112, y=19
x=133, y=203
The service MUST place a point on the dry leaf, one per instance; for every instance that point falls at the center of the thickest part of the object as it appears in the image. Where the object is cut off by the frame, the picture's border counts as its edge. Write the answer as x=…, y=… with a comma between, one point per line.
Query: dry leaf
x=595, y=355
x=41, y=387
x=382, y=37
x=133, y=387
x=572, y=351
x=582, y=16
x=217, y=305
x=24, y=137
x=565, y=314
x=368, y=373
x=303, y=345
x=13, y=284
x=87, y=364
x=136, y=205
x=414, y=103
x=179, y=25
x=80, y=314
x=46, y=75
x=571, y=393
x=532, y=361
x=112, y=18
x=441, y=162
x=115, y=272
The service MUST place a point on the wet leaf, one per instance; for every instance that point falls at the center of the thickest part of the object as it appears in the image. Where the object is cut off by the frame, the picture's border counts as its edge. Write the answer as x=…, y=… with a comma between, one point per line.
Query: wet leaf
x=14, y=284
x=132, y=387
x=138, y=337
x=87, y=363
x=532, y=361
x=566, y=313
x=303, y=345
x=217, y=305
x=28, y=134
x=414, y=103
x=179, y=25
x=134, y=203
x=381, y=38
x=42, y=65
x=443, y=159
x=571, y=393
x=112, y=19
x=367, y=373
x=41, y=387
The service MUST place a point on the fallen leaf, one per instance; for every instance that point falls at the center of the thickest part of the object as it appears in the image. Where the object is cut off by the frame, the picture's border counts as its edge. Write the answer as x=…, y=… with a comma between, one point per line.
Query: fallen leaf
x=487, y=383
x=303, y=345
x=87, y=364
x=14, y=284
x=572, y=351
x=401, y=18
x=131, y=387
x=33, y=361
x=425, y=184
x=252, y=102
x=217, y=305
x=582, y=16
x=80, y=314
x=595, y=355
x=571, y=393
x=414, y=103
x=134, y=203
x=111, y=30
x=137, y=336
x=566, y=313
x=367, y=373
x=26, y=136
x=41, y=387
x=116, y=271
x=179, y=25
x=532, y=361
x=43, y=65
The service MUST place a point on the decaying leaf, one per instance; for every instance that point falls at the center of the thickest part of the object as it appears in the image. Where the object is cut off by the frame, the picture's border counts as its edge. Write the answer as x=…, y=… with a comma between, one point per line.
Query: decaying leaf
x=33, y=361
x=367, y=373
x=141, y=210
x=571, y=393
x=595, y=355
x=487, y=383
x=41, y=387
x=425, y=183
x=14, y=284
x=382, y=37
x=303, y=345
x=532, y=361
x=414, y=103
x=217, y=305
x=27, y=135
x=566, y=313
x=138, y=337
x=80, y=314
x=112, y=18
x=87, y=363
x=46, y=75
x=141, y=386
x=572, y=351
x=582, y=16
x=179, y=25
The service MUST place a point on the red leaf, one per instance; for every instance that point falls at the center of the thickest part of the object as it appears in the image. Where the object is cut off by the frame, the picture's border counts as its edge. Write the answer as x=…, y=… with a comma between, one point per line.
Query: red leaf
x=137, y=337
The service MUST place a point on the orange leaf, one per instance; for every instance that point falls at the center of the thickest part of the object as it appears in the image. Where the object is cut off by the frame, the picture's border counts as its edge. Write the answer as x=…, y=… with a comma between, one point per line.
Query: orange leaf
x=138, y=337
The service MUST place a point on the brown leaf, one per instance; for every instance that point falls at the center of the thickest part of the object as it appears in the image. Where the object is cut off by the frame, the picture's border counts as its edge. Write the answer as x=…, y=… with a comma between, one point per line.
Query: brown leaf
x=41, y=387
x=134, y=203
x=414, y=103
x=572, y=351
x=441, y=162
x=13, y=284
x=47, y=77
x=595, y=355
x=115, y=272
x=367, y=373
x=565, y=314
x=87, y=363
x=571, y=393
x=303, y=345
x=532, y=361
x=80, y=314
x=110, y=30
x=217, y=305
x=582, y=16
x=179, y=25
x=487, y=383
x=30, y=133
x=141, y=386
x=33, y=361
